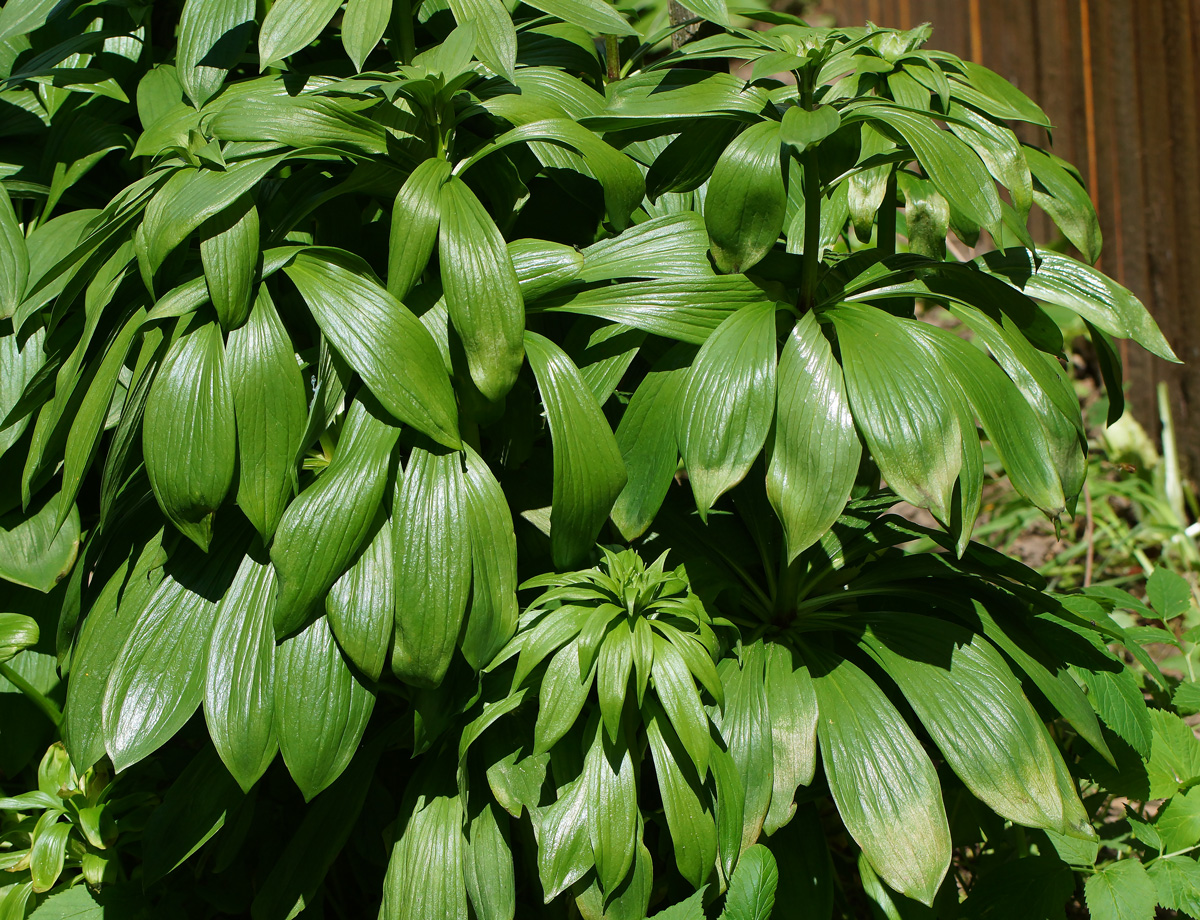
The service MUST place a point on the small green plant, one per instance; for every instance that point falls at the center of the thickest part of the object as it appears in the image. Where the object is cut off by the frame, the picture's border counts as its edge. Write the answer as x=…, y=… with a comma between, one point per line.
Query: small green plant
x=324, y=332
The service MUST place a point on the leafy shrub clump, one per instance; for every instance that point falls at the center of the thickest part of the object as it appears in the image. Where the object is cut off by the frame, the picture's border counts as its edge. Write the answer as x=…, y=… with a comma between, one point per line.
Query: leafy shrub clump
x=330, y=337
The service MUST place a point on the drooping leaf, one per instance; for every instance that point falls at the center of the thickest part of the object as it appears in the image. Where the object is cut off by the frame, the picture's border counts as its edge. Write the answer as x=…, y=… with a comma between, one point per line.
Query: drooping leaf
x=815, y=453
x=321, y=708
x=746, y=728
x=382, y=341
x=746, y=202
x=212, y=37
x=488, y=865
x=432, y=542
x=612, y=809
x=492, y=619
x=32, y=552
x=361, y=604
x=363, y=26
x=792, y=711
x=588, y=470
x=482, y=294
x=290, y=26
x=425, y=872
x=189, y=438
x=726, y=409
x=414, y=231
x=14, y=256
x=495, y=34
x=229, y=253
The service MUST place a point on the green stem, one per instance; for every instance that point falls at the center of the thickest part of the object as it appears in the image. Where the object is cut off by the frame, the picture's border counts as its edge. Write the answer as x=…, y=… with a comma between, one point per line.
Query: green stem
x=886, y=233
x=612, y=57
x=39, y=699
x=403, y=13
x=811, y=265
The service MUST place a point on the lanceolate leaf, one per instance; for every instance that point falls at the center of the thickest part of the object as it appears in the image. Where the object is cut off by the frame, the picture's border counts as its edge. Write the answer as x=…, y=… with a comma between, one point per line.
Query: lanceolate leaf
x=493, y=612
x=488, y=865
x=291, y=25
x=726, y=410
x=360, y=605
x=189, y=438
x=1060, y=195
x=596, y=16
x=746, y=727
x=910, y=427
x=425, y=872
x=433, y=565
x=383, y=342
x=270, y=407
x=363, y=26
x=481, y=289
x=588, y=471
x=321, y=708
x=495, y=35
x=612, y=808
x=158, y=680
x=324, y=527
x=239, y=685
x=229, y=253
x=746, y=202
x=14, y=258
x=212, y=37
x=34, y=550
x=414, y=231
x=886, y=790
x=815, y=453
x=792, y=710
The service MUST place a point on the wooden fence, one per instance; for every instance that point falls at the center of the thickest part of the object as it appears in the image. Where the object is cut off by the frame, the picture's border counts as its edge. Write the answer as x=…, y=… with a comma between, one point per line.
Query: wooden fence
x=1118, y=80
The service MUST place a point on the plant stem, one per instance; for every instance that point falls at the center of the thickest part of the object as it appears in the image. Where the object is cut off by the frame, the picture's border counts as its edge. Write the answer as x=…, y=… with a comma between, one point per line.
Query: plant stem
x=39, y=699
x=612, y=57
x=812, y=231
x=403, y=13
x=886, y=230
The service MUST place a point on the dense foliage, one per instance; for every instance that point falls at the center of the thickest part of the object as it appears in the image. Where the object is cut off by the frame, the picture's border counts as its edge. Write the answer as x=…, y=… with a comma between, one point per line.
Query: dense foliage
x=334, y=341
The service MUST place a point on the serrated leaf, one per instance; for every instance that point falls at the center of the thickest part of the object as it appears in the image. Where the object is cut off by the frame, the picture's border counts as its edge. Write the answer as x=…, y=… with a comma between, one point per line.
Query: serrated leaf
x=271, y=411
x=482, y=294
x=432, y=542
x=746, y=202
x=212, y=38
x=322, y=530
x=1177, y=883
x=885, y=787
x=290, y=26
x=726, y=409
x=382, y=341
x=815, y=454
x=321, y=708
x=1120, y=891
x=588, y=471
x=751, y=893
x=239, y=683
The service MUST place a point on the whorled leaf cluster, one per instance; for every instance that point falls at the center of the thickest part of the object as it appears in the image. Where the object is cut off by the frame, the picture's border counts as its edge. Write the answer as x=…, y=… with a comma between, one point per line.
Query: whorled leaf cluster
x=306, y=362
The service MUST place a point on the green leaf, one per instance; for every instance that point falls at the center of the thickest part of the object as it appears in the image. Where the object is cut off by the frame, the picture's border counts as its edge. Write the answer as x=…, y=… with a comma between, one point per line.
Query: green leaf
x=900, y=407
x=14, y=254
x=885, y=787
x=802, y=128
x=382, y=341
x=192, y=811
x=564, y=844
x=488, y=865
x=952, y=166
x=995, y=95
x=675, y=245
x=1061, y=195
x=189, y=437
x=290, y=26
x=542, y=266
x=973, y=708
x=20, y=17
x=322, y=530
x=492, y=619
x=692, y=908
x=321, y=708
x=727, y=407
x=432, y=542
x=596, y=16
x=239, y=682
x=1178, y=824
x=792, y=713
x=21, y=360
x=561, y=696
x=646, y=437
x=482, y=294
x=588, y=471
x=1169, y=593
x=74, y=903
x=745, y=726
x=361, y=604
x=730, y=798
x=1000, y=151
x=815, y=454
x=212, y=38
x=751, y=893
x=112, y=616
x=746, y=202
x=679, y=698
x=32, y=552
x=414, y=230
x=17, y=632
x=495, y=34
x=686, y=803
x=686, y=162
x=1121, y=891
x=363, y=26
x=47, y=855
x=662, y=96
x=1174, y=755
x=271, y=411
x=157, y=681
x=424, y=876
x=303, y=121
x=1177, y=883
x=612, y=809
x=229, y=253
